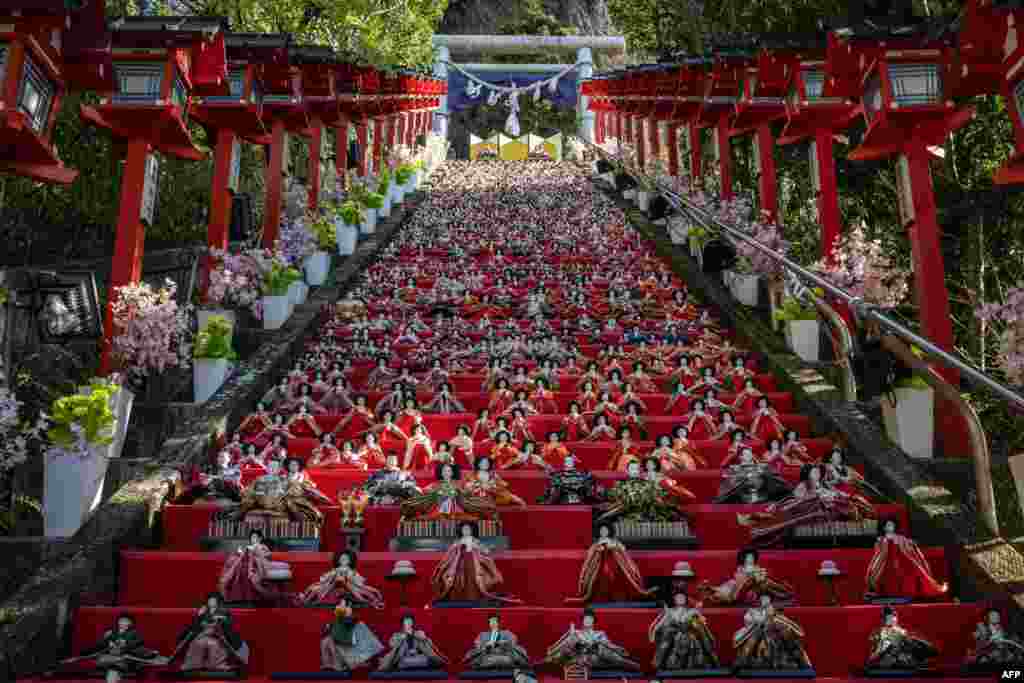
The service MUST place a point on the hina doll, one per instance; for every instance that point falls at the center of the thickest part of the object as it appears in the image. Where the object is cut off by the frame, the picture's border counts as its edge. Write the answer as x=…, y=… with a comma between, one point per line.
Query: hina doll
x=769, y=640
x=256, y=423
x=712, y=401
x=747, y=584
x=895, y=648
x=504, y=453
x=388, y=434
x=483, y=426
x=634, y=420
x=608, y=573
x=462, y=445
x=589, y=649
x=746, y=399
x=682, y=639
x=410, y=417
x=674, y=492
x=496, y=649
x=543, y=399
x=277, y=428
x=305, y=400
x=574, y=425
x=521, y=382
x=253, y=460
x=467, y=573
x=766, y=423
x=776, y=458
x=337, y=399
x=898, y=569
x=346, y=643
x=381, y=376
x=391, y=485
x=272, y=451
x=699, y=423
x=678, y=401
x=442, y=454
x=485, y=483
x=419, y=450
x=629, y=396
x=625, y=452
x=301, y=493
x=554, y=451
x=520, y=427
x=223, y=486
x=738, y=440
x=248, y=574
x=342, y=582
x=811, y=502
x=684, y=374
x=437, y=376
x=795, y=449
x=371, y=453
x=727, y=426
x=607, y=408
x=601, y=430
x=210, y=642
x=842, y=477
x=447, y=499
x=571, y=486
x=410, y=650
x=686, y=457
x=303, y=425
x=394, y=400
x=664, y=454
x=707, y=381
x=994, y=648
x=587, y=398
x=749, y=480
x=357, y=421
x=500, y=398
x=121, y=652
x=444, y=402
x=641, y=381
x=592, y=376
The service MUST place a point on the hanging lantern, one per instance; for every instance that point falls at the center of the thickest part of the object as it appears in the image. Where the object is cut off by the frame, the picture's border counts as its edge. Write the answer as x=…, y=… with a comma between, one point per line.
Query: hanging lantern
x=813, y=100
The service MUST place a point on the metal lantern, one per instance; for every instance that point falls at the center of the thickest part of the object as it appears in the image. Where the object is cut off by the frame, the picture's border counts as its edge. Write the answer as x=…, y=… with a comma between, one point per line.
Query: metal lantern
x=814, y=100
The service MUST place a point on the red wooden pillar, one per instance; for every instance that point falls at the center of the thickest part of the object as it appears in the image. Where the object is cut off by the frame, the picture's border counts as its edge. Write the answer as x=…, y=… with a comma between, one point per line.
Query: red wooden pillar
x=220, y=196
x=639, y=142
x=828, y=194
x=409, y=133
x=653, y=136
x=768, y=185
x=315, y=145
x=695, y=153
x=378, y=143
x=400, y=127
x=361, y=137
x=126, y=266
x=275, y=185
x=599, y=127
x=627, y=132
x=392, y=130
x=724, y=155
x=341, y=156
x=672, y=149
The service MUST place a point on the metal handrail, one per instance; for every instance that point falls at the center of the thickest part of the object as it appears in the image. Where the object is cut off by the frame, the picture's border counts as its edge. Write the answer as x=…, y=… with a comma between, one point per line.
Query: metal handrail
x=863, y=310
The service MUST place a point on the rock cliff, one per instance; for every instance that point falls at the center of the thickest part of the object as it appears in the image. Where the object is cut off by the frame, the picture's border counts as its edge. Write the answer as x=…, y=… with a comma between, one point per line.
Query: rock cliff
x=476, y=17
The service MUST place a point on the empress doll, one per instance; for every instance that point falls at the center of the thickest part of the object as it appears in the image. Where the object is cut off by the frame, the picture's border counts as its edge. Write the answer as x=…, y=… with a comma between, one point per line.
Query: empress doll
x=419, y=449
x=747, y=584
x=496, y=648
x=210, y=642
x=994, y=648
x=894, y=647
x=769, y=640
x=699, y=423
x=747, y=398
x=346, y=643
x=248, y=573
x=574, y=425
x=301, y=493
x=682, y=639
x=446, y=498
x=554, y=451
x=625, y=452
x=411, y=649
x=844, y=478
x=342, y=582
x=766, y=423
x=601, y=430
x=485, y=483
x=898, y=568
x=589, y=648
x=467, y=572
x=120, y=652
x=674, y=493
x=608, y=573
x=794, y=448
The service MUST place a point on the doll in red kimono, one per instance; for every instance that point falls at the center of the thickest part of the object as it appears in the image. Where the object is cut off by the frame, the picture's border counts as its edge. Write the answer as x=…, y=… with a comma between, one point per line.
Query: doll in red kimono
x=357, y=421
x=388, y=433
x=256, y=423
x=601, y=430
x=462, y=445
x=898, y=569
x=544, y=399
x=609, y=574
x=303, y=425
x=699, y=423
x=371, y=452
x=419, y=450
x=574, y=425
x=625, y=452
x=766, y=423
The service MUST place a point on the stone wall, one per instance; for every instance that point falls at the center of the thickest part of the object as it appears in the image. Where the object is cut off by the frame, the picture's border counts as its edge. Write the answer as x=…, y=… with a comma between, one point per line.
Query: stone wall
x=85, y=570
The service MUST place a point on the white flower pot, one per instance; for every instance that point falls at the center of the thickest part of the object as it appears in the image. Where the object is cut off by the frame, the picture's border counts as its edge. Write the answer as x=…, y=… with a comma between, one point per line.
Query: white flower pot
x=72, y=489
x=347, y=236
x=628, y=194
x=208, y=374
x=608, y=178
x=910, y=422
x=123, y=401
x=295, y=294
x=369, y=225
x=745, y=287
x=804, y=337
x=275, y=311
x=316, y=267
x=385, y=210
x=397, y=193
x=643, y=200
x=679, y=231
x=203, y=315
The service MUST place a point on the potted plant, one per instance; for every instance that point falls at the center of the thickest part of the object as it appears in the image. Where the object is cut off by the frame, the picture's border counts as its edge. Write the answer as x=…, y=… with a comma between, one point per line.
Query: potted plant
x=372, y=202
x=645, y=191
x=802, y=327
x=417, y=173
x=384, y=190
x=350, y=216
x=403, y=178
x=82, y=437
x=698, y=238
x=235, y=284
x=276, y=304
x=151, y=335
x=296, y=288
x=908, y=412
x=213, y=358
x=318, y=263
x=744, y=283
x=18, y=438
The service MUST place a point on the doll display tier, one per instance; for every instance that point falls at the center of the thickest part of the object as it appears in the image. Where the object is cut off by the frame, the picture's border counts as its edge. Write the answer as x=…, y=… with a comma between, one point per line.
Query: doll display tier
x=540, y=527
x=578, y=261
x=655, y=535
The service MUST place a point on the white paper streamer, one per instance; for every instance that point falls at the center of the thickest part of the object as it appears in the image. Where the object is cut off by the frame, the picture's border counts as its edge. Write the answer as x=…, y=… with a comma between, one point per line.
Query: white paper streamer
x=473, y=89
x=492, y=98
x=512, y=124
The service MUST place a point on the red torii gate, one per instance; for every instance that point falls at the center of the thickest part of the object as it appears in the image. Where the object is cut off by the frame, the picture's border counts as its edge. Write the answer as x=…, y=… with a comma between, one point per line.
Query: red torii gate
x=159, y=62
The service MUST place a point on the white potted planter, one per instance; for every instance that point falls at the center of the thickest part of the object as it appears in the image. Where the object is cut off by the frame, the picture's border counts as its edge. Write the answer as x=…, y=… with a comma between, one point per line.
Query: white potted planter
x=629, y=195
x=275, y=311
x=397, y=193
x=208, y=374
x=679, y=231
x=295, y=294
x=643, y=200
x=204, y=314
x=347, y=236
x=910, y=421
x=745, y=287
x=369, y=225
x=72, y=490
x=385, y=210
x=123, y=413
x=804, y=338
x=317, y=266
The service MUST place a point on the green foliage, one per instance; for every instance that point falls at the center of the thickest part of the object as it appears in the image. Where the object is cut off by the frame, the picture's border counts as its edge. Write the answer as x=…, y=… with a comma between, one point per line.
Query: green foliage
x=373, y=200
x=404, y=174
x=91, y=411
x=278, y=279
x=529, y=18
x=384, y=181
x=214, y=340
x=793, y=309
x=323, y=228
x=22, y=506
x=351, y=213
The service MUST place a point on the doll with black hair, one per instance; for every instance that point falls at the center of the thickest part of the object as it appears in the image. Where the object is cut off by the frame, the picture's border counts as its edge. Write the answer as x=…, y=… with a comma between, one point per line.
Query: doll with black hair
x=210, y=642
x=347, y=643
x=341, y=582
x=590, y=649
x=608, y=573
x=747, y=584
x=120, y=652
x=893, y=647
x=898, y=568
x=447, y=498
x=467, y=573
x=411, y=649
x=484, y=482
x=682, y=639
x=769, y=640
x=496, y=649
x=249, y=575
x=994, y=647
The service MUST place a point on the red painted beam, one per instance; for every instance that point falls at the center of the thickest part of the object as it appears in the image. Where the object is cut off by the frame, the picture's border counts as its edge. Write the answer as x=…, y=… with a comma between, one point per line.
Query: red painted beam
x=767, y=181
x=129, y=243
x=315, y=145
x=828, y=193
x=724, y=155
x=275, y=185
x=220, y=195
